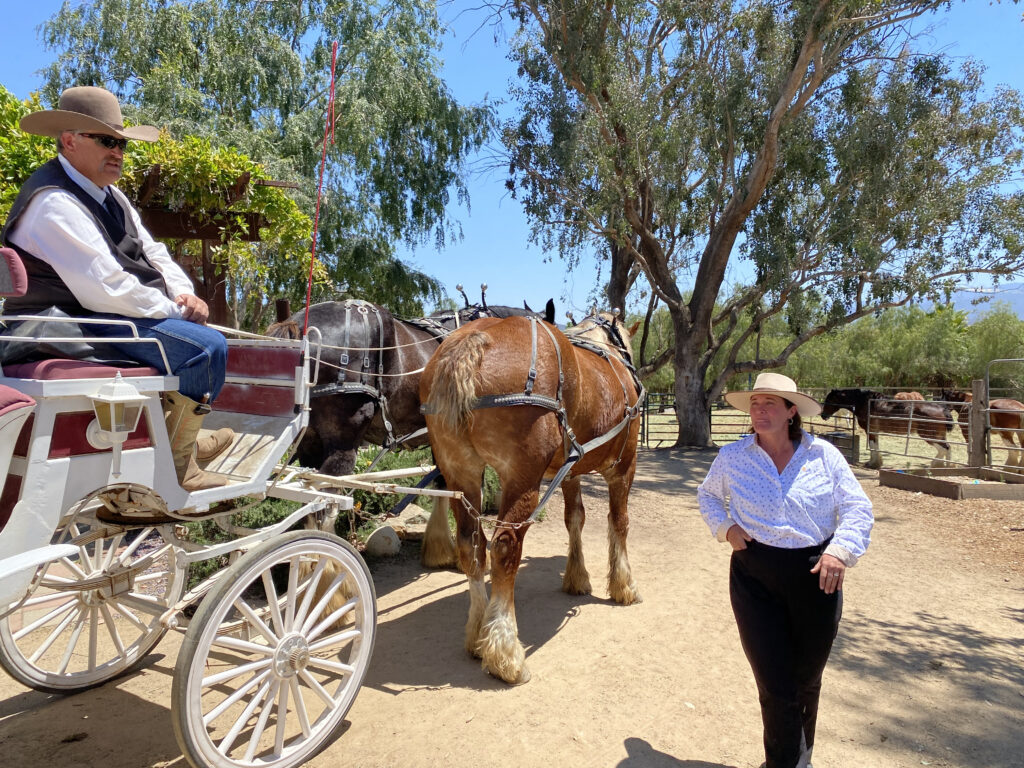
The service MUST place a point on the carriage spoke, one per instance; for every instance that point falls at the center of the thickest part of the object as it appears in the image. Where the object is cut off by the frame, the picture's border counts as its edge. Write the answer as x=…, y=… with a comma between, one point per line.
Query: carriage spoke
x=72, y=566
x=115, y=603
x=300, y=707
x=322, y=603
x=335, y=615
x=318, y=689
x=94, y=632
x=282, y=719
x=111, y=554
x=255, y=620
x=72, y=643
x=257, y=731
x=220, y=677
x=144, y=534
x=311, y=585
x=243, y=689
x=223, y=641
x=229, y=740
x=333, y=666
x=52, y=637
x=335, y=639
x=69, y=604
x=108, y=619
x=293, y=579
x=272, y=602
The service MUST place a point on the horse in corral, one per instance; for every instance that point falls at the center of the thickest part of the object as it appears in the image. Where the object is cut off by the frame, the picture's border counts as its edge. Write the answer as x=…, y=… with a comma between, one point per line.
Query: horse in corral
x=1005, y=418
x=908, y=396
x=533, y=403
x=931, y=421
x=368, y=387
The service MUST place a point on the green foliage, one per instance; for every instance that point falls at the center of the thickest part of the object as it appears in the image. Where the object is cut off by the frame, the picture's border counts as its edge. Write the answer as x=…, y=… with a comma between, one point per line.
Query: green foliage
x=787, y=134
x=20, y=153
x=373, y=505
x=257, y=75
x=267, y=512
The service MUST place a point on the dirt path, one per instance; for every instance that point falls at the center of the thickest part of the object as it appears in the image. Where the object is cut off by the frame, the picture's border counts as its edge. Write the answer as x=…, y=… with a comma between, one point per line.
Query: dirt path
x=928, y=668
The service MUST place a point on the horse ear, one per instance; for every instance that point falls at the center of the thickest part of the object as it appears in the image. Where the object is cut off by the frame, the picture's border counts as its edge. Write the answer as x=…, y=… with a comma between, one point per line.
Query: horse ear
x=549, y=312
x=633, y=327
x=527, y=307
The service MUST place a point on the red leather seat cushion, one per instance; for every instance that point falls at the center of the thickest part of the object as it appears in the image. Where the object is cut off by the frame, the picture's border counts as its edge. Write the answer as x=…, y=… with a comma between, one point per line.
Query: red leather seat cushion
x=72, y=369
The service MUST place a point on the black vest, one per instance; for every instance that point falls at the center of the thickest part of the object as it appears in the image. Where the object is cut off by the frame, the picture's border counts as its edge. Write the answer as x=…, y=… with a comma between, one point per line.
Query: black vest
x=45, y=288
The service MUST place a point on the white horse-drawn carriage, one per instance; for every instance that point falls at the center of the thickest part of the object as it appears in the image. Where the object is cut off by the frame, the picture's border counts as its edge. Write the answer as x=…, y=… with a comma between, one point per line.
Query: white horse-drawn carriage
x=94, y=556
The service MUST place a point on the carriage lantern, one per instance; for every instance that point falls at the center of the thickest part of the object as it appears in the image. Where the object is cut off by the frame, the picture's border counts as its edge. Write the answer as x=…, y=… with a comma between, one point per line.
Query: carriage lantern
x=118, y=406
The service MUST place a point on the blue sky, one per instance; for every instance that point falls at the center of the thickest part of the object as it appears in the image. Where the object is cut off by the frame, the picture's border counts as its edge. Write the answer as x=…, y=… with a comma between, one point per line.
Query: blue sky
x=496, y=248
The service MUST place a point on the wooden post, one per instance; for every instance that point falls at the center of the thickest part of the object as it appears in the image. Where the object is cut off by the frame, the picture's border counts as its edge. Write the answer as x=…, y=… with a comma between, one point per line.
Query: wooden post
x=977, y=455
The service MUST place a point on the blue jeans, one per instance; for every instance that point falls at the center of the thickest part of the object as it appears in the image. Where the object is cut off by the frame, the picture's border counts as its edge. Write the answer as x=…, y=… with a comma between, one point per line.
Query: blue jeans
x=197, y=355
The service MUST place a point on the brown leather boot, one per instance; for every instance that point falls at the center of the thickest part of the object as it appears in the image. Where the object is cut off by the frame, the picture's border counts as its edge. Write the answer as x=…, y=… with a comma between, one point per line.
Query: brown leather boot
x=213, y=444
x=184, y=417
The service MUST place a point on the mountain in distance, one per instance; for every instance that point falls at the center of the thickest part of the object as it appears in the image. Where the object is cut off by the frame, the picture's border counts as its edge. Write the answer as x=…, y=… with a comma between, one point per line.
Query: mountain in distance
x=976, y=301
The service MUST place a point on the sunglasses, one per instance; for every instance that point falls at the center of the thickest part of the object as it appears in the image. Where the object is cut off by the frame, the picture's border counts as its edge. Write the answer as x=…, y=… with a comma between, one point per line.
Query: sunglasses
x=107, y=141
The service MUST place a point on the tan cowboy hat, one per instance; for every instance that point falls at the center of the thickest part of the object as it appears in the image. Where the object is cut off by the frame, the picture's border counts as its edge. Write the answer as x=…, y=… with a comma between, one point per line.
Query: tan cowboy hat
x=88, y=109
x=775, y=384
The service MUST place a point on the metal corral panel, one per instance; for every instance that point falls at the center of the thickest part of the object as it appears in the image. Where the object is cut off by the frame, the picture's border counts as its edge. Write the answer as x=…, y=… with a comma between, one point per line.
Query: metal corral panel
x=848, y=444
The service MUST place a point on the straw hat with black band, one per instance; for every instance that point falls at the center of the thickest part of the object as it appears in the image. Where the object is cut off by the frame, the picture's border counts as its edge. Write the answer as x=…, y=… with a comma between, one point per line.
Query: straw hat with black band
x=86, y=109
x=775, y=384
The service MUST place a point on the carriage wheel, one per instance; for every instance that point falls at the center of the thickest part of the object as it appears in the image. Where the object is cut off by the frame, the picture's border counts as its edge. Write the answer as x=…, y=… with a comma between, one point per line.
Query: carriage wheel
x=275, y=655
x=94, y=617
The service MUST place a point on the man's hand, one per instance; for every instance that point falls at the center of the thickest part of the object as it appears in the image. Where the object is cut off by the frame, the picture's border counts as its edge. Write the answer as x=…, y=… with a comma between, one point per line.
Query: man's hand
x=193, y=308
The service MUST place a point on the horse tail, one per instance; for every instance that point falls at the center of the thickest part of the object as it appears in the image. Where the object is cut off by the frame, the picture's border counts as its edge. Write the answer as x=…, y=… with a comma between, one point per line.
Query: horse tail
x=453, y=391
x=286, y=329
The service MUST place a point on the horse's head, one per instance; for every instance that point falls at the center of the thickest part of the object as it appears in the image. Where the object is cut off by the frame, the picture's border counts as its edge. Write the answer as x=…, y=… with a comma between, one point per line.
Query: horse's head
x=606, y=330
x=835, y=401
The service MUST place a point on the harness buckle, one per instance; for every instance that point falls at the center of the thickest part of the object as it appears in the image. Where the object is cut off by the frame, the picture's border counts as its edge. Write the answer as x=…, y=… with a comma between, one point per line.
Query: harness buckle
x=344, y=358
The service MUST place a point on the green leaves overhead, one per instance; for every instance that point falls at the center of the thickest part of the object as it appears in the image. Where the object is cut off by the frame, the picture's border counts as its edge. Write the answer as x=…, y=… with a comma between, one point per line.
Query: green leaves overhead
x=812, y=139
x=256, y=75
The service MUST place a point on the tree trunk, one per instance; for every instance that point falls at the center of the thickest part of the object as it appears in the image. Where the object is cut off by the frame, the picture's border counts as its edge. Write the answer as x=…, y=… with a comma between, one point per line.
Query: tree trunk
x=692, y=408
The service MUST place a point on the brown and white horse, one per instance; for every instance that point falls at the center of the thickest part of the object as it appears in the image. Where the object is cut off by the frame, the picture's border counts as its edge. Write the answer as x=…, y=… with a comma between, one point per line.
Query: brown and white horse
x=875, y=414
x=519, y=396
x=1005, y=418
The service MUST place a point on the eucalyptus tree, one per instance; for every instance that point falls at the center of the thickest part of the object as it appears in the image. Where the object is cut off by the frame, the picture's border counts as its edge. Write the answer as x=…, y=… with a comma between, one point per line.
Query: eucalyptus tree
x=806, y=140
x=257, y=75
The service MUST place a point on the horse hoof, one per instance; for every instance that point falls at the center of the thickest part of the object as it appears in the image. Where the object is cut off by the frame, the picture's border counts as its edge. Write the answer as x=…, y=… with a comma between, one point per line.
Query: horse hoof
x=523, y=677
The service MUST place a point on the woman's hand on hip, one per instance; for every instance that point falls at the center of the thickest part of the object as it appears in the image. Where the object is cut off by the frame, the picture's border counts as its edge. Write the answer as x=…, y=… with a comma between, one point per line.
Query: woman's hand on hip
x=831, y=573
x=737, y=537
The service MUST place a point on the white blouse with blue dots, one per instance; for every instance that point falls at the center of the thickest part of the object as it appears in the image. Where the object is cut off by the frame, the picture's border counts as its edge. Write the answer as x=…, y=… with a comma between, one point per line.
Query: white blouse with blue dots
x=814, y=497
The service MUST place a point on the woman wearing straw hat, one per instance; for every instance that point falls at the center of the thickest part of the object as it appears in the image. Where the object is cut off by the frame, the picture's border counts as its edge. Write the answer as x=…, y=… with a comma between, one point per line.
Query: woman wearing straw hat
x=796, y=519
x=87, y=254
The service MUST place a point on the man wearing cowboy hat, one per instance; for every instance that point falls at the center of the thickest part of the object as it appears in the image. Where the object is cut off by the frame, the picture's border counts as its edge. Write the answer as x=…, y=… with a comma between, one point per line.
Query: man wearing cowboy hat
x=87, y=254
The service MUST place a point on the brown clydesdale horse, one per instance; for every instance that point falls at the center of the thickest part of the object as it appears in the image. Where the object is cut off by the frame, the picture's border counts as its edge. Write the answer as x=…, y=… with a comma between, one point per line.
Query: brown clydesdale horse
x=930, y=421
x=528, y=441
x=1005, y=418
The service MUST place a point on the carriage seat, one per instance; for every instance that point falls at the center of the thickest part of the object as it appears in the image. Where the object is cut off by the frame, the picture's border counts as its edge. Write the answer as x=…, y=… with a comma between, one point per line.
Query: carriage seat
x=15, y=408
x=14, y=282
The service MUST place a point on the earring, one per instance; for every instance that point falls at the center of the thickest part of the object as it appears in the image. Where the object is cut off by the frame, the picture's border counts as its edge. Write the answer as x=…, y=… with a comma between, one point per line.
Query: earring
x=791, y=421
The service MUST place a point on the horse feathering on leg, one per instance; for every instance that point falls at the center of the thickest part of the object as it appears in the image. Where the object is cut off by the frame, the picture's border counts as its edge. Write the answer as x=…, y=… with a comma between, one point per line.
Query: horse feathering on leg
x=525, y=443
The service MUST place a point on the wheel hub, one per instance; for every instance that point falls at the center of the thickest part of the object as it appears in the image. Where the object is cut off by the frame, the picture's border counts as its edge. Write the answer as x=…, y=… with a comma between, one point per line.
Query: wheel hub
x=291, y=656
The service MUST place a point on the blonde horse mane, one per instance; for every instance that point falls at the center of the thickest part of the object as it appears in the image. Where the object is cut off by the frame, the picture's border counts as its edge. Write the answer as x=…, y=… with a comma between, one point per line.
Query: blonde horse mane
x=454, y=390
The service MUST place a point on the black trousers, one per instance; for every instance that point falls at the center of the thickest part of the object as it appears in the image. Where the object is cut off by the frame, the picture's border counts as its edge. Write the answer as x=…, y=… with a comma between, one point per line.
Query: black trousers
x=787, y=625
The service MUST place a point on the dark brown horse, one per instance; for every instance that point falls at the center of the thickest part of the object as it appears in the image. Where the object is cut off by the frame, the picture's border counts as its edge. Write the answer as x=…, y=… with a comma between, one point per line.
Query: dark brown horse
x=519, y=396
x=930, y=421
x=367, y=390
x=1005, y=418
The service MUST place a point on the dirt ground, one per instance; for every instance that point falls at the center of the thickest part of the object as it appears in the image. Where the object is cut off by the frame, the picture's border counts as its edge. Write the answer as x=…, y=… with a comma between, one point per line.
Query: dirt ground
x=928, y=668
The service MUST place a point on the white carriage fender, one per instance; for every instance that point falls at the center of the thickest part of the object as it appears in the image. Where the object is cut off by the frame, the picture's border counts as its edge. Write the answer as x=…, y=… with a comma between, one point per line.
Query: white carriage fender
x=24, y=545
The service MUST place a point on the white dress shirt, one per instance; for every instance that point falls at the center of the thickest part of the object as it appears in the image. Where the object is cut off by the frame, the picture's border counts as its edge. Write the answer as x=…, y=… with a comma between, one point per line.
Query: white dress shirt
x=814, y=497
x=56, y=228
